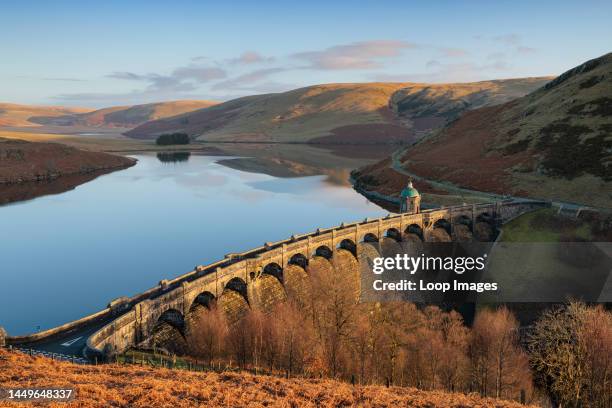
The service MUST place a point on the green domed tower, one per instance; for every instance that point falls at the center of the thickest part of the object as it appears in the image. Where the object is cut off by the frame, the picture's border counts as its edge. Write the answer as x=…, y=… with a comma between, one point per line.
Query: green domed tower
x=410, y=199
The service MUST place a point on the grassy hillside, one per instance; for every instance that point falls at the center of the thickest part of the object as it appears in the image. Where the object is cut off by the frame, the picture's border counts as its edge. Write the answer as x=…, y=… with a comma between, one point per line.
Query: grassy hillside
x=122, y=116
x=134, y=386
x=19, y=115
x=336, y=113
x=554, y=143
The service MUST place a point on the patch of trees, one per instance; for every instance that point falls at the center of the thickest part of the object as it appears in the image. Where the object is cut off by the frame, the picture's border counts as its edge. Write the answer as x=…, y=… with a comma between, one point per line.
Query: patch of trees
x=173, y=139
x=331, y=334
x=322, y=330
x=570, y=350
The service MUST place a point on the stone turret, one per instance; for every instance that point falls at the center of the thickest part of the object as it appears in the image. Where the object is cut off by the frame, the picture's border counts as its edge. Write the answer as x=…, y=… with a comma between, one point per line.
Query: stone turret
x=410, y=199
x=3, y=336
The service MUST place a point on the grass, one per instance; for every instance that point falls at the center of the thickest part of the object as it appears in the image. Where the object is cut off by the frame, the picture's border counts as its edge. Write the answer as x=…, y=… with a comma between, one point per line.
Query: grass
x=556, y=259
x=135, y=386
x=545, y=226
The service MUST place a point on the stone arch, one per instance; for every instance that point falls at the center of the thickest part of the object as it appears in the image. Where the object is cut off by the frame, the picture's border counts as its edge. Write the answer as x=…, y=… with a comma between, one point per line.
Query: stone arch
x=324, y=251
x=462, y=229
x=370, y=237
x=319, y=265
x=237, y=285
x=484, y=229
x=413, y=231
x=266, y=291
x=234, y=301
x=299, y=259
x=275, y=270
x=394, y=233
x=173, y=318
x=367, y=253
x=389, y=247
x=464, y=220
x=439, y=232
x=169, y=332
x=349, y=245
x=347, y=272
x=297, y=284
x=444, y=224
x=205, y=299
x=485, y=217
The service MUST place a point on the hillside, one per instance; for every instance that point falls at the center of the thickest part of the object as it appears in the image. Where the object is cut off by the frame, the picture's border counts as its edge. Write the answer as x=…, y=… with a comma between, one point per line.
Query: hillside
x=22, y=161
x=134, y=386
x=554, y=143
x=427, y=106
x=122, y=116
x=334, y=113
x=19, y=115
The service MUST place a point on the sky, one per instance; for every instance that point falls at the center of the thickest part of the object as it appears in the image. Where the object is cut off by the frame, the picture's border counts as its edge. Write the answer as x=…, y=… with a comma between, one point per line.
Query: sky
x=75, y=53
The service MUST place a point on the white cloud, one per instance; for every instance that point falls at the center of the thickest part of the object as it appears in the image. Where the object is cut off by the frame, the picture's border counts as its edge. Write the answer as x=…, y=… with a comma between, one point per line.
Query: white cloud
x=357, y=55
x=246, y=81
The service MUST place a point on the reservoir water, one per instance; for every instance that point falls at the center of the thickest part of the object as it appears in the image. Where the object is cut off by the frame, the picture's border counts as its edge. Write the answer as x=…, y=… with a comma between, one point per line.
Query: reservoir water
x=66, y=255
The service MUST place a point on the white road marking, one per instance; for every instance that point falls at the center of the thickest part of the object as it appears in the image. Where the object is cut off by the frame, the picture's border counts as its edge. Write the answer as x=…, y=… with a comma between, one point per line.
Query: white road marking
x=71, y=342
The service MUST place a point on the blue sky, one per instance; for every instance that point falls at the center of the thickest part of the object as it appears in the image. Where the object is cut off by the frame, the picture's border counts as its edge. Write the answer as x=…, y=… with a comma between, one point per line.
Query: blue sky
x=123, y=52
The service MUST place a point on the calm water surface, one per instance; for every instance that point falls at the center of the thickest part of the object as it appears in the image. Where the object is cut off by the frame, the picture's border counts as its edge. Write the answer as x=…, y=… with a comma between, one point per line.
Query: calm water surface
x=67, y=255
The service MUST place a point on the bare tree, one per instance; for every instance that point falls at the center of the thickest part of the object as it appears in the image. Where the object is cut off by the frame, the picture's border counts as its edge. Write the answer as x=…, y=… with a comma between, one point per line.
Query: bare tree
x=571, y=354
x=208, y=334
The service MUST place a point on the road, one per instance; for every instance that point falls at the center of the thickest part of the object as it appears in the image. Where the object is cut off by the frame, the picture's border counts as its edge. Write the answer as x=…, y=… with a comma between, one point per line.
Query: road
x=67, y=344
x=396, y=165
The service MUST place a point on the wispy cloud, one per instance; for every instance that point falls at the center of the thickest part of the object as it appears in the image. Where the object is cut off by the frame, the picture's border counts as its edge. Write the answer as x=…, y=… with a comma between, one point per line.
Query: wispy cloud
x=250, y=57
x=182, y=79
x=357, y=55
x=441, y=72
x=247, y=80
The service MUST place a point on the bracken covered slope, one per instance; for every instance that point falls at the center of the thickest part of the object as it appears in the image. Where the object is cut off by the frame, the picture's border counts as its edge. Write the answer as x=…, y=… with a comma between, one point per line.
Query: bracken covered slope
x=22, y=161
x=369, y=113
x=427, y=106
x=122, y=116
x=134, y=386
x=554, y=143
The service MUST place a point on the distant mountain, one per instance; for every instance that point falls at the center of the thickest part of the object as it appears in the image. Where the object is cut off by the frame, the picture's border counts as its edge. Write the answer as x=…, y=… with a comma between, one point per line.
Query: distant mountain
x=369, y=113
x=19, y=115
x=554, y=143
x=337, y=112
x=122, y=116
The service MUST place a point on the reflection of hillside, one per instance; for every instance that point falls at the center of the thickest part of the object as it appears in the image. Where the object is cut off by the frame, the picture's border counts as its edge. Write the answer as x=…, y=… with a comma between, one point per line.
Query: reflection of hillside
x=10, y=193
x=300, y=160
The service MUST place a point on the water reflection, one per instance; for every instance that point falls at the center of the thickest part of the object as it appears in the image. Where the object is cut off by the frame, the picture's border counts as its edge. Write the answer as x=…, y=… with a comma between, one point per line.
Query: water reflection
x=69, y=254
x=173, y=157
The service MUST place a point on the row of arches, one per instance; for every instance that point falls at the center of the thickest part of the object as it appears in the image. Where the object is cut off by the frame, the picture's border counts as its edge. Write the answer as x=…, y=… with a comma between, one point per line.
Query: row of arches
x=274, y=282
